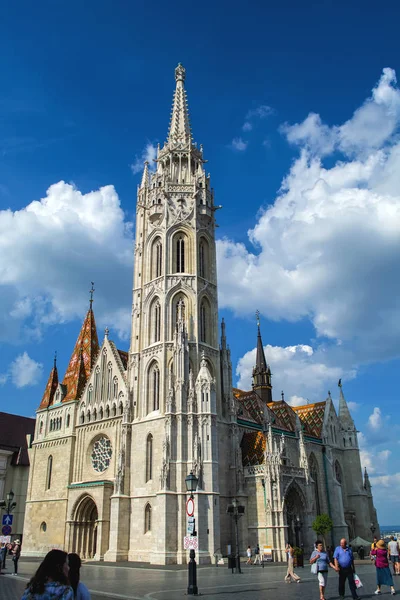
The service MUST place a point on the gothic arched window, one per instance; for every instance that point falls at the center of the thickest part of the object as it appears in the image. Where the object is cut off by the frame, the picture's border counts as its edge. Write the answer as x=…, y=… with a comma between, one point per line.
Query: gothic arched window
x=153, y=387
x=115, y=387
x=101, y=413
x=90, y=394
x=157, y=256
x=107, y=412
x=203, y=322
x=97, y=383
x=68, y=420
x=180, y=254
x=82, y=418
x=314, y=472
x=109, y=380
x=147, y=518
x=338, y=472
x=41, y=427
x=157, y=322
x=49, y=472
x=149, y=457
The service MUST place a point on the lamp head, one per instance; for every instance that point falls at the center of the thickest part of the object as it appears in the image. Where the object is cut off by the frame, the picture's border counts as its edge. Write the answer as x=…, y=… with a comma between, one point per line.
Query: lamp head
x=10, y=496
x=191, y=482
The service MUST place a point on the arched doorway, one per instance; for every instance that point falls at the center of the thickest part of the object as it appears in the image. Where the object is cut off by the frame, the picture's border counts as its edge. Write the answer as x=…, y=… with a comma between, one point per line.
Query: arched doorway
x=84, y=538
x=294, y=514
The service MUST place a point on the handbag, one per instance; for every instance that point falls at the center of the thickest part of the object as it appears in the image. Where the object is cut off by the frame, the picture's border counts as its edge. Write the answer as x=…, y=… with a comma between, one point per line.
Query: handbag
x=314, y=568
x=357, y=581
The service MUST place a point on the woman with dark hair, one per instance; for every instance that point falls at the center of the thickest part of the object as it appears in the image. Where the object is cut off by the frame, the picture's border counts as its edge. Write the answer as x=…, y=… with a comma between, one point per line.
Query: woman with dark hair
x=50, y=582
x=80, y=590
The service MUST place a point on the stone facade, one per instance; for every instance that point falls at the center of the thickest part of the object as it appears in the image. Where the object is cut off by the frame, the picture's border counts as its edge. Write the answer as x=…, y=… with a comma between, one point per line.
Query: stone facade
x=117, y=437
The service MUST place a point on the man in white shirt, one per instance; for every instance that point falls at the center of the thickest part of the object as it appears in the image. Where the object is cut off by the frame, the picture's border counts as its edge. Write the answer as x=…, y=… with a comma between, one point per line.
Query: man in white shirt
x=393, y=549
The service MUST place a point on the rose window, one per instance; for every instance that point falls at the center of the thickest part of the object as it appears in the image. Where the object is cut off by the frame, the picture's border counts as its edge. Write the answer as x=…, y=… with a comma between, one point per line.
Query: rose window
x=101, y=454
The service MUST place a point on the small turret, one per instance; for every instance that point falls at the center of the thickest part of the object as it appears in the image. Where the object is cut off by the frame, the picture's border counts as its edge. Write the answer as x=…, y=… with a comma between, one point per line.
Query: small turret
x=345, y=417
x=145, y=177
x=51, y=386
x=261, y=372
x=367, y=483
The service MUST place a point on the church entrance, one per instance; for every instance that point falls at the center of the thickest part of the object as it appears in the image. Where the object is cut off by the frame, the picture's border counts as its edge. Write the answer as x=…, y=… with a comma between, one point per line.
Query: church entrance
x=294, y=517
x=84, y=538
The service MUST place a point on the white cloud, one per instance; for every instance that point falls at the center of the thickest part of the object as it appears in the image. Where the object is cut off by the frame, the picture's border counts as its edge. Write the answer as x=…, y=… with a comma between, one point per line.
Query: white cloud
x=353, y=406
x=247, y=126
x=51, y=250
x=300, y=371
x=375, y=419
x=327, y=249
x=3, y=378
x=25, y=371
x=261, y=112
x=369, y=128
x=149, y=153
x=239, y=144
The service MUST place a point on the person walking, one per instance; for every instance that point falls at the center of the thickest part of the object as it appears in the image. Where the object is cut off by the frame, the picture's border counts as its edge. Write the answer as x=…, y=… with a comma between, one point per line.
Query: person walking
x=248, y=552
x=16, y=553
x=50, y=582
x=80, y=590
x=383, y=574
x=344, y=563
x=393, y=550
x=257, y=555
x=321, y=557
x=290, y=574
x=3, y=553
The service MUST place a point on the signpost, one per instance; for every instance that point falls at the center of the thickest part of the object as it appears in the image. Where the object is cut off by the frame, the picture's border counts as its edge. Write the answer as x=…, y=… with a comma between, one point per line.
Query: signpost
x=5, y=539
x=191, y=542
x=6, y=530
x=7, y=519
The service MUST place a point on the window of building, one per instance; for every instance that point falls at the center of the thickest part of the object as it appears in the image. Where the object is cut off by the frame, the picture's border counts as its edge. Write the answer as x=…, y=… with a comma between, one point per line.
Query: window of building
x=157, y=322
x=156, y=388
x=109, y=381
x=121, y=408
x=82, y=418
x=114, y=410
x=43, y=527
x=41, y=427
x=203, y=322
x=147, y=518
x=107, y=412
x=115, y=387
x=201, y=260
x=149, y=457
x=68, y=420
x=49, y=472
x=180, y=255
x=90, y=394
x=101, y=413
x=158, y=258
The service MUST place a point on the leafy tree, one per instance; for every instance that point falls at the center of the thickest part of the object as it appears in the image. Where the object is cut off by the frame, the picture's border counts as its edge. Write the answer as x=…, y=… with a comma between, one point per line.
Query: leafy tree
x=322, y=525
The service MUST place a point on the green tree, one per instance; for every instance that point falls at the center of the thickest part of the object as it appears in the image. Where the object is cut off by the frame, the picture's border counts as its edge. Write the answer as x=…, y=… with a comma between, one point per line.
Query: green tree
x=322, y=525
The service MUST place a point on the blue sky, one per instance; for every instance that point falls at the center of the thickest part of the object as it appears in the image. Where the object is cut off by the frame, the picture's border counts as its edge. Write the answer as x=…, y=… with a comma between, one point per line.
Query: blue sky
x=298, y=110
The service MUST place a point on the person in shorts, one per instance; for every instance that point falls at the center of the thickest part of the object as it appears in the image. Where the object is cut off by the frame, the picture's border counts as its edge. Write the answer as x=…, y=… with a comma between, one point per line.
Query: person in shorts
x=393, y=551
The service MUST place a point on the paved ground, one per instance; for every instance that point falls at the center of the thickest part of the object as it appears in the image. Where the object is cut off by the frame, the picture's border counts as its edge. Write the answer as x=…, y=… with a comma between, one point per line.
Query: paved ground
x=135, y=582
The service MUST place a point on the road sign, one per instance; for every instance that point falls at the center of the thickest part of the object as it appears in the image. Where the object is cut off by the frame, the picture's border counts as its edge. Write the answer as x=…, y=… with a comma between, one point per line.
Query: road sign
x=267, y=553
x=190, y=525
x=6, y=530
x=190, y=507
x=190, y=542
x=5, y=539
x=7, y=519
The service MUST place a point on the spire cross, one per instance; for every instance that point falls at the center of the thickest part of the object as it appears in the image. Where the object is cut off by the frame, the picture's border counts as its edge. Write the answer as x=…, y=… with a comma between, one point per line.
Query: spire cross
x=340, y=383
x=91, y=291
x=283, y=395
x=55, y=359
x=329, y=394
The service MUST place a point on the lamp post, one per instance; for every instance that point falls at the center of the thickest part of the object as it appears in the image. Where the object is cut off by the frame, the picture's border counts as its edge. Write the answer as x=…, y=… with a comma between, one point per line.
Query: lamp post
x=191, y=486
x=372, y=528
x=9, y=503
x=236, y=511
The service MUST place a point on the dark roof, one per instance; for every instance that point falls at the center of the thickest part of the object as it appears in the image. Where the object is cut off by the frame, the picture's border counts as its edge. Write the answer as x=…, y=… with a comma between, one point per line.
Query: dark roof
x=13, y=432
x=124, y=358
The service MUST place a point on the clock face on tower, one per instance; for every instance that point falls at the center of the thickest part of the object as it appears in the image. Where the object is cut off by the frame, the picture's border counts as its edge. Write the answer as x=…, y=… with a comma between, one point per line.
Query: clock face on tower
x=101, y=454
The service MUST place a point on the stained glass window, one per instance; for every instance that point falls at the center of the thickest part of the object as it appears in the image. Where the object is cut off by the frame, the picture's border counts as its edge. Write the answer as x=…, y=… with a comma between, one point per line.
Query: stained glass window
x=101, y=454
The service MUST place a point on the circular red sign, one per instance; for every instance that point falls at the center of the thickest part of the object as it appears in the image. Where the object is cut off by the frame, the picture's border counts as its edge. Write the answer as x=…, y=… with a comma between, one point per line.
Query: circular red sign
x=190, y=507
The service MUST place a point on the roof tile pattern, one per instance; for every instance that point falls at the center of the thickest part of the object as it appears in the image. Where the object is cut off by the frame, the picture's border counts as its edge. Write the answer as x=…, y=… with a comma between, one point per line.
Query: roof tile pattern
x=253, y=448
x=82, y=359
x=50, y=390
x=312, y=416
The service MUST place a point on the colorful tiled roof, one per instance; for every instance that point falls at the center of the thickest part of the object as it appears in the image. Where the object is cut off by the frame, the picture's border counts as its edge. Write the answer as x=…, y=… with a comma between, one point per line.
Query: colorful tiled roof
x=250, y=405
x=312, y=415
x=253, y=448
x=285, y=418
x=50, y=390
x=82, y=359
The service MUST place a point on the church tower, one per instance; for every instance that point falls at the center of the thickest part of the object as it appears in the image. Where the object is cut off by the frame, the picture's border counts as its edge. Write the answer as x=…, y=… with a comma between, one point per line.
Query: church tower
x=174, y=360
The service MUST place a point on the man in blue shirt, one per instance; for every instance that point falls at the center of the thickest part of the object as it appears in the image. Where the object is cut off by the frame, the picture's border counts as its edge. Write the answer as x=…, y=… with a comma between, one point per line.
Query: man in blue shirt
x=344, y=561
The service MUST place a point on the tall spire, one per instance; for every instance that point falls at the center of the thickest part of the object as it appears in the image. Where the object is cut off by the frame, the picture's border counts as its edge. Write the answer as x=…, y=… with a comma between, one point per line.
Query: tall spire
x=261, y=372
x=145, y=176
x=51, y=386
x=83, y=356
x=344, y=412
x=179, y=130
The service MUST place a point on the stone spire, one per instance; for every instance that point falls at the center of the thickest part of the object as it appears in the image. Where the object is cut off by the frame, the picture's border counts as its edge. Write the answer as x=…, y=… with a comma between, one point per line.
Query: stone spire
x=179, y=129
x=367, y=484
x=344, y=412
x=82, y=358
x=51, y=386
x=145, y=176
x=261, y=372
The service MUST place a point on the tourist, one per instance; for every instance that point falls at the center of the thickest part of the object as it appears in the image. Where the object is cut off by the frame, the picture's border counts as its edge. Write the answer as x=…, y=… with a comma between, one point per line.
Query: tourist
x=361, y=552
x=290, y=574
x=373, y=547
x=344, y=564
x=248, y=552
x=393, y=549
x=3, y=553
x=321, y=557
x=16, y=553
x=80, y=590
x=257, y=554
x=50, y=582
x=383, y=574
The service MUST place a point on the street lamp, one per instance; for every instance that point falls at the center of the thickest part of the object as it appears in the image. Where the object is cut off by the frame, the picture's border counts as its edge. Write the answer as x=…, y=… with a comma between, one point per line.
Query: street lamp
x=236, y=511
x=9, y=503
x=191, y=486
x=372, y=528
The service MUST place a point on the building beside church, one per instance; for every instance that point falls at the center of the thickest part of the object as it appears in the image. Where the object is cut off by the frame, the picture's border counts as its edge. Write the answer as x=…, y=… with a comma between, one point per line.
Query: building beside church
x=117, y=436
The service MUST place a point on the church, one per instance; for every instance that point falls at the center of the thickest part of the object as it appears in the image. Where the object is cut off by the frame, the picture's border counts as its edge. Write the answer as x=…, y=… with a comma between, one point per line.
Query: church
x=117, y=436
